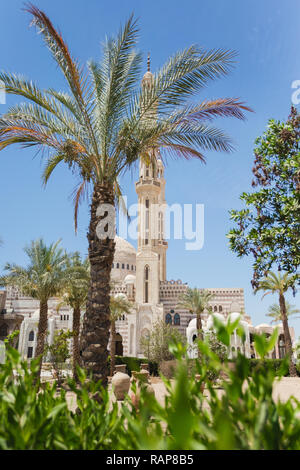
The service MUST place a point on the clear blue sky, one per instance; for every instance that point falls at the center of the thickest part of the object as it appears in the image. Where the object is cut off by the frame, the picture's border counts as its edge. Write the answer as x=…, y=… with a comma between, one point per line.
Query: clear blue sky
x=266, y=35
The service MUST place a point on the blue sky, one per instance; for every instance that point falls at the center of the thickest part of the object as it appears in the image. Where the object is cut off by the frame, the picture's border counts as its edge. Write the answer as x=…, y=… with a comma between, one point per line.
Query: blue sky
x=265, y=35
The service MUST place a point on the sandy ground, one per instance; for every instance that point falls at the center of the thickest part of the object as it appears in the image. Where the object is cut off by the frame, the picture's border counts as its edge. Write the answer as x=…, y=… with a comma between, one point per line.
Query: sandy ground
x=287, y=387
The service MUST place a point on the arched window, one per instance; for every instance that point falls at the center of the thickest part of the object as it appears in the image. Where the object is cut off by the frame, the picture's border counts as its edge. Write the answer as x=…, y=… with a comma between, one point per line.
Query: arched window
x=168, y=319
x=127, y=266
x=132, y=267
x=215, y=308
x=30, y=352
x=176, y=319
x=118, y=265
x=146, y=284
x=220, y=308
x=31, y=336
x=147, y=222
x=119, y=345
x=123, y=266
x=160, y=226
x=281, y=346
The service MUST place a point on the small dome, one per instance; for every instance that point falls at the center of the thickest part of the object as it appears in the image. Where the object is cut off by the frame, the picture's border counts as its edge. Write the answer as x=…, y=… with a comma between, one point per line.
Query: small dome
x=130, y=279
x=148, y=75
x=210, y=321
x=264, y=325
x=193, y=323
x=245, y=325
x=36, y=314
x=120, y=295
x=232, y=317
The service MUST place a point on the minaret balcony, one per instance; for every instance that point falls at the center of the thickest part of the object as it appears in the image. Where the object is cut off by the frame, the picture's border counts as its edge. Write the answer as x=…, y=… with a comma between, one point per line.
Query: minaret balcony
x=147, y=182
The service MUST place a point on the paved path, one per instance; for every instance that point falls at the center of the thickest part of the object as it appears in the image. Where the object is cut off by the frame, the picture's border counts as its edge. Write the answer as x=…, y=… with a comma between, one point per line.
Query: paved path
x=288, y=386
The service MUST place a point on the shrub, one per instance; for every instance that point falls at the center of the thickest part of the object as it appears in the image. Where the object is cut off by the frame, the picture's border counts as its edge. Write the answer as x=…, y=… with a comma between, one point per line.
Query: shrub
x=277, y=365
x=168, y=368
x=134, y=363
x=244, y=416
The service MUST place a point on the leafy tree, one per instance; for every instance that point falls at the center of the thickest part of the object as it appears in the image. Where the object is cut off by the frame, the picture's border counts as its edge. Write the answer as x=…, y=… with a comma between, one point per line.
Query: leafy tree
x=59, y=352
x=119, y=305
x=156, y=346
x=279, y=284
x=269, y=226
x=103, y=125
x=275, y=313
x=76, y=285
x=42, y=278
x=196, y=302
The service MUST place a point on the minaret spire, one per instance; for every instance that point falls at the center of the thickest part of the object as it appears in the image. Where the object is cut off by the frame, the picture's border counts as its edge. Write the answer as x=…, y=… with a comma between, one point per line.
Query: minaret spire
x=148, y=62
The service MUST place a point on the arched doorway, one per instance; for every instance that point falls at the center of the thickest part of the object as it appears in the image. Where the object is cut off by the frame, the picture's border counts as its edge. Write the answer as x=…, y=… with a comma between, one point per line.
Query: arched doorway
x=281, y=346
x=119, y=345
x=3, y=331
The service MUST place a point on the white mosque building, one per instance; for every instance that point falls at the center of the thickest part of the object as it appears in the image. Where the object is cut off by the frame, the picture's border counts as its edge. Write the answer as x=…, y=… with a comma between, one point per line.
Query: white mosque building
x=140, y=274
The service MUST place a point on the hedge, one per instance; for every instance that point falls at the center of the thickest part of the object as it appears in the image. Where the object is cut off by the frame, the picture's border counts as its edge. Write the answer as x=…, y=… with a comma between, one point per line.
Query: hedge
x=268, y=364
x=134, y=363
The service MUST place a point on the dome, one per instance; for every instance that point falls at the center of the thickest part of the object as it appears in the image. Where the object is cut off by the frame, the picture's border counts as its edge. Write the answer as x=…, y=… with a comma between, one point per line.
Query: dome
x=124, y=260
x=193, y=323
x=148, y=76
x=36, y=314
x=264, y=325
x=232, y=317
x=130, y=279
x=123, y=247
x=120, y=295
x=210, y=321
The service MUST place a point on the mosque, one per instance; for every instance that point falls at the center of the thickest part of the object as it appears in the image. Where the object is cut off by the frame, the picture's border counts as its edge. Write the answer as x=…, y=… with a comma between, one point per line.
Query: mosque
x=140, y=275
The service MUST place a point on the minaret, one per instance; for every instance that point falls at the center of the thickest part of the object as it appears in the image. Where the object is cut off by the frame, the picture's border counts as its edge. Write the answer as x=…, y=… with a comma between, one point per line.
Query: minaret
x=150, y=188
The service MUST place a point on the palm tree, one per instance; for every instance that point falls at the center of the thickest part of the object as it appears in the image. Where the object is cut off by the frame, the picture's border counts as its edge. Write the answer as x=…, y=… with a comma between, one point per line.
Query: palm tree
x=275, y=314
x=279, y=284
x=103, y=125
x=41, y=279
x=77, y=280
x=119, y=304
x=196, y=301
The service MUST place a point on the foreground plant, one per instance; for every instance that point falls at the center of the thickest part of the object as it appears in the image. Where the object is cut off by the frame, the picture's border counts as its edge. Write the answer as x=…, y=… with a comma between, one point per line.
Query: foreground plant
x=103, y=125
x=243, y=415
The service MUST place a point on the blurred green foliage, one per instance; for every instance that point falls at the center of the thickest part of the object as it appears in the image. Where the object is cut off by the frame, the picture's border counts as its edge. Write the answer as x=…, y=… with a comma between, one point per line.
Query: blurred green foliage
x=243, y=415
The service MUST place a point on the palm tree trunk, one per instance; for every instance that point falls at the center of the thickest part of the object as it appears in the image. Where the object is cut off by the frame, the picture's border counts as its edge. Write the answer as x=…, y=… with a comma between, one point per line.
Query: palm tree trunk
x=76, y=329
x=113, y=348
x=287, y=336
x=96, y=324
x=42, y=333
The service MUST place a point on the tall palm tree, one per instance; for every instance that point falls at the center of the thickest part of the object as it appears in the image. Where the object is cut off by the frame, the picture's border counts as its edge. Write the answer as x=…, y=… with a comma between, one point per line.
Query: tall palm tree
x=279, y=284
x=275, y=313
x=77, y=279
x=196, y=301
x=41, y=279
x=103, y=125
x=119, y=305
